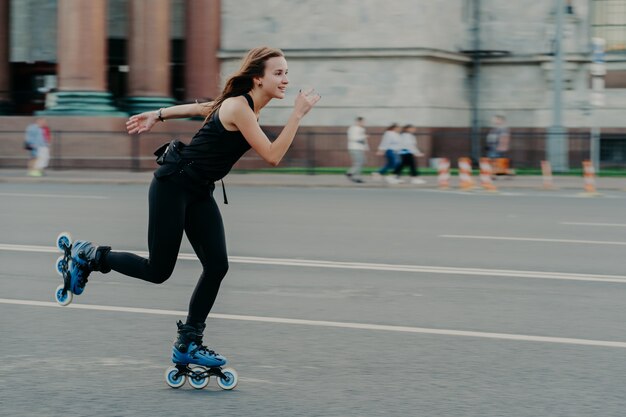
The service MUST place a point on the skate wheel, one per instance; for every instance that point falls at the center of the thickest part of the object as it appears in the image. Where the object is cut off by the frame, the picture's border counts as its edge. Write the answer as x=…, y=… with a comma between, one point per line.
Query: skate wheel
x=64, y=240
x=198, y=378
x=230, y=381
x=60, y=263
x=172, y=380
x=63, y=299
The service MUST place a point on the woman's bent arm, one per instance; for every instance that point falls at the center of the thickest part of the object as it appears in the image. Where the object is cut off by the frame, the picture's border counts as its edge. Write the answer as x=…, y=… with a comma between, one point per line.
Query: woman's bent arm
x=272, y=152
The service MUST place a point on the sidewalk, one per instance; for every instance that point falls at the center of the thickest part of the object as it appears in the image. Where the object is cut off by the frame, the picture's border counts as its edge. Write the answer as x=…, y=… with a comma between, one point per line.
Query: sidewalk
x=297, y=180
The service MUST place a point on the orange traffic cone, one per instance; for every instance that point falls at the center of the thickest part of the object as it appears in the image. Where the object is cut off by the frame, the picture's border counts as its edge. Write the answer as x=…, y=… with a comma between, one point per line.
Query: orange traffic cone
x=486, y=172
x=546, y=175
x=443, y=168
x=465, y=174
x=590, y=178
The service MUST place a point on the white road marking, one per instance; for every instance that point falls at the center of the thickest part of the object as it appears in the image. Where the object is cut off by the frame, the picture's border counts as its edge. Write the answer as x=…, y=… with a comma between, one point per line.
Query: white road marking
x=332, y=324
x=594, y=224
x=533, y=239
x=480, y=272
x=62, y=196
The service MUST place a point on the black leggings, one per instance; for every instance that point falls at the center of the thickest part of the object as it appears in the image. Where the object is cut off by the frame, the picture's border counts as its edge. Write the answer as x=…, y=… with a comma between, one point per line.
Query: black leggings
x=175, y=206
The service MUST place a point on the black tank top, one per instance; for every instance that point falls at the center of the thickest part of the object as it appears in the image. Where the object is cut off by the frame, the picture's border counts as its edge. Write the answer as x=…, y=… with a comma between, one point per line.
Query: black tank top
x=214, y=150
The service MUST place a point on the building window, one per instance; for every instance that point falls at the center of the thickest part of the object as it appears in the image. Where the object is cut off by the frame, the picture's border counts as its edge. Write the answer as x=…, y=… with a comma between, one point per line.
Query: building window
x=609, y=23
x=613, y=150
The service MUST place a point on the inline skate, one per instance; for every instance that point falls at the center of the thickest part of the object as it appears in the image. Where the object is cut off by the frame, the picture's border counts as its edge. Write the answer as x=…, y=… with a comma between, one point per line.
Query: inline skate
x=79, y=259
x=196, y=363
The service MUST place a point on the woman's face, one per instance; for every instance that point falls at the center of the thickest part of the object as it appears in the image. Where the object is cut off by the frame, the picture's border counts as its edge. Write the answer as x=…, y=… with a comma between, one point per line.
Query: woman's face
x=275, y=80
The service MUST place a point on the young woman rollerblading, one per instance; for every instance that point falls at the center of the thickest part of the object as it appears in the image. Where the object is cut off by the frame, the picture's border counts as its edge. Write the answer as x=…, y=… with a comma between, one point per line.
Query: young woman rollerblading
x=181, y=199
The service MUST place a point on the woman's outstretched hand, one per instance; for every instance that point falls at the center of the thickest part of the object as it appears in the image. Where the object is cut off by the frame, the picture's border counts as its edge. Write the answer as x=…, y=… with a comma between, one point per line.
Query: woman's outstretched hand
x=141, y=123
x=305, y=101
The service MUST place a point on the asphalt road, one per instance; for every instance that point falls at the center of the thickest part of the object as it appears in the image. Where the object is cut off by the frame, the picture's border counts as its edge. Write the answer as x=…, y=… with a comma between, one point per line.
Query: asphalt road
x=338, y=302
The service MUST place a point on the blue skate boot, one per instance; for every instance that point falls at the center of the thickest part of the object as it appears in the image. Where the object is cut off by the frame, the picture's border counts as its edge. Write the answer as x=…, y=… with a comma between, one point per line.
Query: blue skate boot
x=78, y=261
x=189, y=350
x=197, y=362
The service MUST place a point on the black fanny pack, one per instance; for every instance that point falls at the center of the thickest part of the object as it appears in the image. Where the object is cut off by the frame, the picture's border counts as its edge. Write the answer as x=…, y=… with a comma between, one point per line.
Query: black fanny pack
x=171, y=161
x=169, y=153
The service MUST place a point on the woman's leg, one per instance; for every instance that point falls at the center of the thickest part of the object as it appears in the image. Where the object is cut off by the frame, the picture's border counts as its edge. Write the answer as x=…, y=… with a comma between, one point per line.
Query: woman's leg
x=167, y=201
x=205, y=230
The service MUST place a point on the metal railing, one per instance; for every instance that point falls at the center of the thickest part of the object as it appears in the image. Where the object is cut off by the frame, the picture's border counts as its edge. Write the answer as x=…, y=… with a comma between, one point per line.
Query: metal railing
x=312, y=148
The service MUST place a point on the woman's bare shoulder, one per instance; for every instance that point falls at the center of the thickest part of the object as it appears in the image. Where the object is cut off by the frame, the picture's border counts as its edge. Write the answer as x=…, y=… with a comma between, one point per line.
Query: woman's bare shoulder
x=232, y=109
x=235, y=102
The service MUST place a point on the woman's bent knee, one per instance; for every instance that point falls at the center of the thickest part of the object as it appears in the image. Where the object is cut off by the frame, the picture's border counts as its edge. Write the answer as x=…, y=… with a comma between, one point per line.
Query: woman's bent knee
x=217, y=269
x=159, y=277
x=222, y=269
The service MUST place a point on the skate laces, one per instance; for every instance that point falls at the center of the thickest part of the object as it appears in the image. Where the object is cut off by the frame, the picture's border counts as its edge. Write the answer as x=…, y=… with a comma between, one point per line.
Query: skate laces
x=202, y=349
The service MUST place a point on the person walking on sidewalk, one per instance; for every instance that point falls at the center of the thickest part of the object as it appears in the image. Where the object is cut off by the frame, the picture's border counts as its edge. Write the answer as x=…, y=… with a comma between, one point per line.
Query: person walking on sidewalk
x=498, y=138
x=36, y=143
x=498, y=143
x=408, y=152
x=180, y=198
x=357, y=146
x=389, y=147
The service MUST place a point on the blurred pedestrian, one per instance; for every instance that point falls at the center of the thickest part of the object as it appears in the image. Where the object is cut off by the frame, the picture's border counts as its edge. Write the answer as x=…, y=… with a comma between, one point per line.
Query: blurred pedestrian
x=36, y=144
x=498, y=138
x=407, y=153
x=498, y=145
x=357, y=146
x=389, y=147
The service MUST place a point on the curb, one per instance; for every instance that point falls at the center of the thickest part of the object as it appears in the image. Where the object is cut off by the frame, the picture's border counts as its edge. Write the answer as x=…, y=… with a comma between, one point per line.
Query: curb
x=302, y=181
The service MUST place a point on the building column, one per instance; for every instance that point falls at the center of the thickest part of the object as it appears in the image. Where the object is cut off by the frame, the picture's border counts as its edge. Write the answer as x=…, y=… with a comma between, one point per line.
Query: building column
x=81, y=60
x=202, y=44
x=149, y=56
x=5, y=78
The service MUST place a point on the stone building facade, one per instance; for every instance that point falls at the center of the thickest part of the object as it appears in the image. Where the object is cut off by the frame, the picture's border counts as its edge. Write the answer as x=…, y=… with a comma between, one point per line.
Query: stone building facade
x=445, y=65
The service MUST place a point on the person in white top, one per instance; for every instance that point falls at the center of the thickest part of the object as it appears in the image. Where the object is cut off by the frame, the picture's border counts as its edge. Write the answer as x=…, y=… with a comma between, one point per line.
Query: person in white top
x=389, y=146
x=408, y=152
x=357, y=146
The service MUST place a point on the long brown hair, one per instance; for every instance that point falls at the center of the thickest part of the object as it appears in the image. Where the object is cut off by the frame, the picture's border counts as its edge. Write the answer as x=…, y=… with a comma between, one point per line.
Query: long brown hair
x=252, y=65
